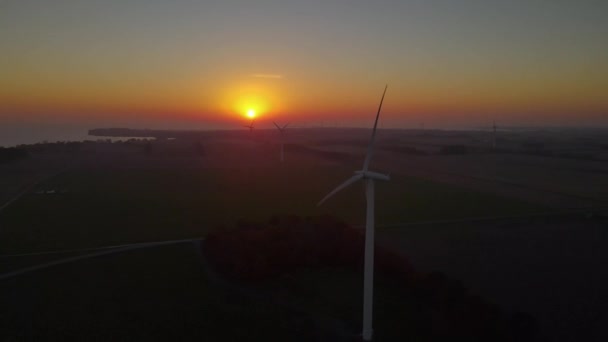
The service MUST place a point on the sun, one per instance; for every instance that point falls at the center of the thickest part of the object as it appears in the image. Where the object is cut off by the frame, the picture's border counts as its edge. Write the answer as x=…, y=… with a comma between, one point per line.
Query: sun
x=251, y=113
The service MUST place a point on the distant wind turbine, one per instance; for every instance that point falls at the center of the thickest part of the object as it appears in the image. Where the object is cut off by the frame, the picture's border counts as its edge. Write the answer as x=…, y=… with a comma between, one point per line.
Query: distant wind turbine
x=368, y=273
x=250, y=126
x=282, y=132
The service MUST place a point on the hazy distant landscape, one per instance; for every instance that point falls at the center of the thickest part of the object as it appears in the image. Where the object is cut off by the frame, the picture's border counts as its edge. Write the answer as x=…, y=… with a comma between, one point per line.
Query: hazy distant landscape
x=509, y=222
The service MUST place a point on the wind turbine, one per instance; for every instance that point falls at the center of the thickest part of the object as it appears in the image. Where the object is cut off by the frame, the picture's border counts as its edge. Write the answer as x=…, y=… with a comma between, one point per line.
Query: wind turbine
x=250, y=126
x=368, y=272
x=282, y=131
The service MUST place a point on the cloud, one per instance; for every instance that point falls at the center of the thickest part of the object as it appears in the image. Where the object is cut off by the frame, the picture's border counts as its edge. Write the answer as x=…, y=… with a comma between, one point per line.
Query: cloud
x=271, y=76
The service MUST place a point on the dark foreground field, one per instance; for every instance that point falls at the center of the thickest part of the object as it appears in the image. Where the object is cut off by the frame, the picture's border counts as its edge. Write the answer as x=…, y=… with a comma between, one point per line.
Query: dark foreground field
x=115, y=194
x=553, y=268
x=156, y=294
x=554, y=271
x=99, y=207
x=169, y=292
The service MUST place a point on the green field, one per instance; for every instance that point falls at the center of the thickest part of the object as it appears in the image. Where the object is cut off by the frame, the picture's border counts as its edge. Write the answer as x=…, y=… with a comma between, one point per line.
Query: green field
x=117, y=206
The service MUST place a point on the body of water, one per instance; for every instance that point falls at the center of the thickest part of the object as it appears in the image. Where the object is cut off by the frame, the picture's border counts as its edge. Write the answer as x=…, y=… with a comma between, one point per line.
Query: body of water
x=16, y=134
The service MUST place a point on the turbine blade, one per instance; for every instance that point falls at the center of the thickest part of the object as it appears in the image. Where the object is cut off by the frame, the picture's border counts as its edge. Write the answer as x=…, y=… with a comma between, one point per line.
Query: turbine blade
x=370, y=148
x=348, y=182
x=278, y=127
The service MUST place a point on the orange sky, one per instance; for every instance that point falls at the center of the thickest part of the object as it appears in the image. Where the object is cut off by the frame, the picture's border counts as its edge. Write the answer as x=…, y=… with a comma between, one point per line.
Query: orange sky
x=109, y=62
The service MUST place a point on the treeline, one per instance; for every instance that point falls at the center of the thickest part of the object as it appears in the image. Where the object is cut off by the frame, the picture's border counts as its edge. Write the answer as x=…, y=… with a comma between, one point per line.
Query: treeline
x=12, y=153
x=145, y=146
x=252, y=252
x=56, y=147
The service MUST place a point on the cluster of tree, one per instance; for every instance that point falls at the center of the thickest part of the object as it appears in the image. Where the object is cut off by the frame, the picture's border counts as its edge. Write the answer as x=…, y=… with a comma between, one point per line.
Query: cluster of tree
x=251, y=252
x=12, y=153
x=55, y=147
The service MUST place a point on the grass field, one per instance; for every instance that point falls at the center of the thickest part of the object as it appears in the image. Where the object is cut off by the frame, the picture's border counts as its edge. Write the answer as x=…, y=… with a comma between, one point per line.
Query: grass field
x=153, y=294
x=117, y=206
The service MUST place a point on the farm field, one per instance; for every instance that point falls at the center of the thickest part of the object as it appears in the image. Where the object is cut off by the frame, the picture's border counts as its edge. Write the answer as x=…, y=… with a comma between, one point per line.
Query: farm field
x=553, y=268
x=444, y=212
x=97, y=207
x=553, y=181
x=144, y=294
x=151, y=293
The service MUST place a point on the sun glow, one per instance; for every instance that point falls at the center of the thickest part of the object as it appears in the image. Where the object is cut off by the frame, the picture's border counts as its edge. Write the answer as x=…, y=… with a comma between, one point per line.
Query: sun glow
x=251, y=100
x=251, y=107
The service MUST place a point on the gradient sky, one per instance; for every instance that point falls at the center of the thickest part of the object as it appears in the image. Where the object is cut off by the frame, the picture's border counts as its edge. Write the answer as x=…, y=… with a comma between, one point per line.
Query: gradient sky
x=151, y=63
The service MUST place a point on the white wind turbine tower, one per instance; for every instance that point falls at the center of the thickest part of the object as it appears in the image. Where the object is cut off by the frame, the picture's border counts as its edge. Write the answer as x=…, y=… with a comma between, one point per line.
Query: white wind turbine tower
x=368, y=272
x=282, y=132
